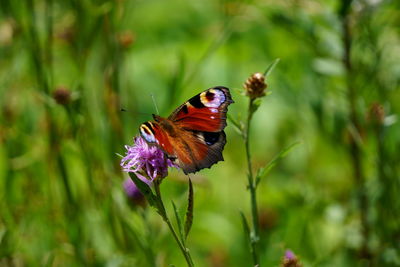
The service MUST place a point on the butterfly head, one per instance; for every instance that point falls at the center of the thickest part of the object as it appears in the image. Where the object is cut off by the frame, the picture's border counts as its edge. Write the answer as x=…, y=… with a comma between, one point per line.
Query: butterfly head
x=156, y=118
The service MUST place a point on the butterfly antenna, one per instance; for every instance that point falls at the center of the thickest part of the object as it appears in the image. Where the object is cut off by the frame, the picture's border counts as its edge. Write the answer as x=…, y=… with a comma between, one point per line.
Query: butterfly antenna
x=134, y=112
x=155, y=104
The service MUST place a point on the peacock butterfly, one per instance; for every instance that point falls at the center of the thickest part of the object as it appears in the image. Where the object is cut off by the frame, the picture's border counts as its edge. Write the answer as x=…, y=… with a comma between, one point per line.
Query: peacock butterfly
x=193, y=135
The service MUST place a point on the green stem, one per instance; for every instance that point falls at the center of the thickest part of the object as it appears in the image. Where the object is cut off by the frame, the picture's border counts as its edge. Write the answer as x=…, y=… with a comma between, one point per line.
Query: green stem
x=355, y=146
x=164, y=215
x=253, y=189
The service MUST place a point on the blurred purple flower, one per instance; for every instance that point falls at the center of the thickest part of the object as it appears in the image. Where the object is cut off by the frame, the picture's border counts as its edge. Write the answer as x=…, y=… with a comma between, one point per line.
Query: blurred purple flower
x=290, y=260
x=131, y=189
x=147, y=162
x=133, y=193
x=289, y=255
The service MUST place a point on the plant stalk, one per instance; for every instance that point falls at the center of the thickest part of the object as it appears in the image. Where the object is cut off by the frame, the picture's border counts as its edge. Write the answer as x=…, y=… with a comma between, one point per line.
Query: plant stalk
x=253, y=188
x=355, y=146
x=164, y=215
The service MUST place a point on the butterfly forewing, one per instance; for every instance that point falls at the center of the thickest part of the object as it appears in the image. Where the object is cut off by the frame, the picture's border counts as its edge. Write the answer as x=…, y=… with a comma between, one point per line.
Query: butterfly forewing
x=205, y=111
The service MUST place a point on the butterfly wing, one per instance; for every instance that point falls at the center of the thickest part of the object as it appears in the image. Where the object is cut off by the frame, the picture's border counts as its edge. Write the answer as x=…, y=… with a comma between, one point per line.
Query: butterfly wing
x=190, y=150
x=193, y=135
x=205, y=111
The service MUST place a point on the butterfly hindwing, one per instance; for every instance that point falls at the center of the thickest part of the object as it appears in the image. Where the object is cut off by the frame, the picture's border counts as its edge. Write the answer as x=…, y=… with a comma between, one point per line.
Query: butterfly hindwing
x=211, y=144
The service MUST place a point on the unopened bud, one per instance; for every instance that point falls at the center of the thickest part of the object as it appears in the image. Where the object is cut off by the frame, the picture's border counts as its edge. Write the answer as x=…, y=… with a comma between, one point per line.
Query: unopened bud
x=62, y=95
x=376, y=113
x=126, y=39
x=255, y=86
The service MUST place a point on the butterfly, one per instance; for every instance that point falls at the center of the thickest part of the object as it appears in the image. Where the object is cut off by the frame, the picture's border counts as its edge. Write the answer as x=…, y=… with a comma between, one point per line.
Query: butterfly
x=193, y=135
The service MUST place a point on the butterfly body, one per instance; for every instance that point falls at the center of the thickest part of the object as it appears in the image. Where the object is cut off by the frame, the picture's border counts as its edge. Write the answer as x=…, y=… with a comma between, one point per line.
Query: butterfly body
x=192, y=136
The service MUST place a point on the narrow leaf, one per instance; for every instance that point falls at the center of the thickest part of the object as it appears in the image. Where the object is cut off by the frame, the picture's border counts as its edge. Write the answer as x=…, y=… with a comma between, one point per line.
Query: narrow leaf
x=178, y=220
x=255, y=105
x=236, y=125
x=246, y=227
x=144, y=189
x=271, y=67
x=189, y=212
x=262, y=172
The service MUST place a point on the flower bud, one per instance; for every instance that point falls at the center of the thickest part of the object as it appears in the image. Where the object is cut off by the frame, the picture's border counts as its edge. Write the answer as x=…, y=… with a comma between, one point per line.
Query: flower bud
x=126, y=39
x=376, y=113
x=255, y=86
x=62, y=95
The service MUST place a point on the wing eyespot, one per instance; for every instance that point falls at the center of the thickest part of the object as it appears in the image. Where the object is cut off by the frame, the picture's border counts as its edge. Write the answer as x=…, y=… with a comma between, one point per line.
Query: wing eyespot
x=213, y=98
x=210, y=95
x=211, y=138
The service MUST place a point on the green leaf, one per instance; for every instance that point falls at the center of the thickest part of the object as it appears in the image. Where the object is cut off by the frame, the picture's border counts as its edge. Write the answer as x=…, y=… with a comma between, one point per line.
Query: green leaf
x=262, y=172
x=246, y=227
x=271, y=67
x=145, y=189
x=178, y=220
x=189, y=211
x=255, y=105
x=236, y=125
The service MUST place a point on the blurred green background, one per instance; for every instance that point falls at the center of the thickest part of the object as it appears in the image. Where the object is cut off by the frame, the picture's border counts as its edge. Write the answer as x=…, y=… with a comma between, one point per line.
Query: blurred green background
x=68, y=67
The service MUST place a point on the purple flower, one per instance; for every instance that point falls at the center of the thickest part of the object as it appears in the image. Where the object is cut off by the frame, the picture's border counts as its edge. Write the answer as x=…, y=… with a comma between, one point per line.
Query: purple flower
x=289, y=255
x=133, y=193
x=290, y=260
x=131, y=189
x=147, y=162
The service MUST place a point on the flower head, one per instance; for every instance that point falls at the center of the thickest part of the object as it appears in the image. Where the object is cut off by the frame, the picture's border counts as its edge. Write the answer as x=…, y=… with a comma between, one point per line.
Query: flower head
x=255, y=85
x=290, y=260
x=147, y=162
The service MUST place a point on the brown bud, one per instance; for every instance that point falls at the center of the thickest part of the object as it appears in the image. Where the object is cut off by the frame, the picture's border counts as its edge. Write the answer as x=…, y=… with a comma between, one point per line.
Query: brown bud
x=376, y=113
x=62, y=95
x=291, y=263
x=255, y=86
x=126, y=39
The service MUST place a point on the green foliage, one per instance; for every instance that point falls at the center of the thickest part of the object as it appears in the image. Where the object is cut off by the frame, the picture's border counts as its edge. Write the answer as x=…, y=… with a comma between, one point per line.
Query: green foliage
x=189, y=211
x=145, y=189
x=68, y=67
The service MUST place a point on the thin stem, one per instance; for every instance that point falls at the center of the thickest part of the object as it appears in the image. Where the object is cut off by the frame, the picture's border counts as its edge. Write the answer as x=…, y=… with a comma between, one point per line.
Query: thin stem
x=355, y=148
x=253, y=188
x=164, y=215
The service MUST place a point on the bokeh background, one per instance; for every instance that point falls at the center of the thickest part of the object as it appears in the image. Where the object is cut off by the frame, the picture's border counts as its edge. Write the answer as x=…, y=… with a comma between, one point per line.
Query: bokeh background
x=68, y=67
